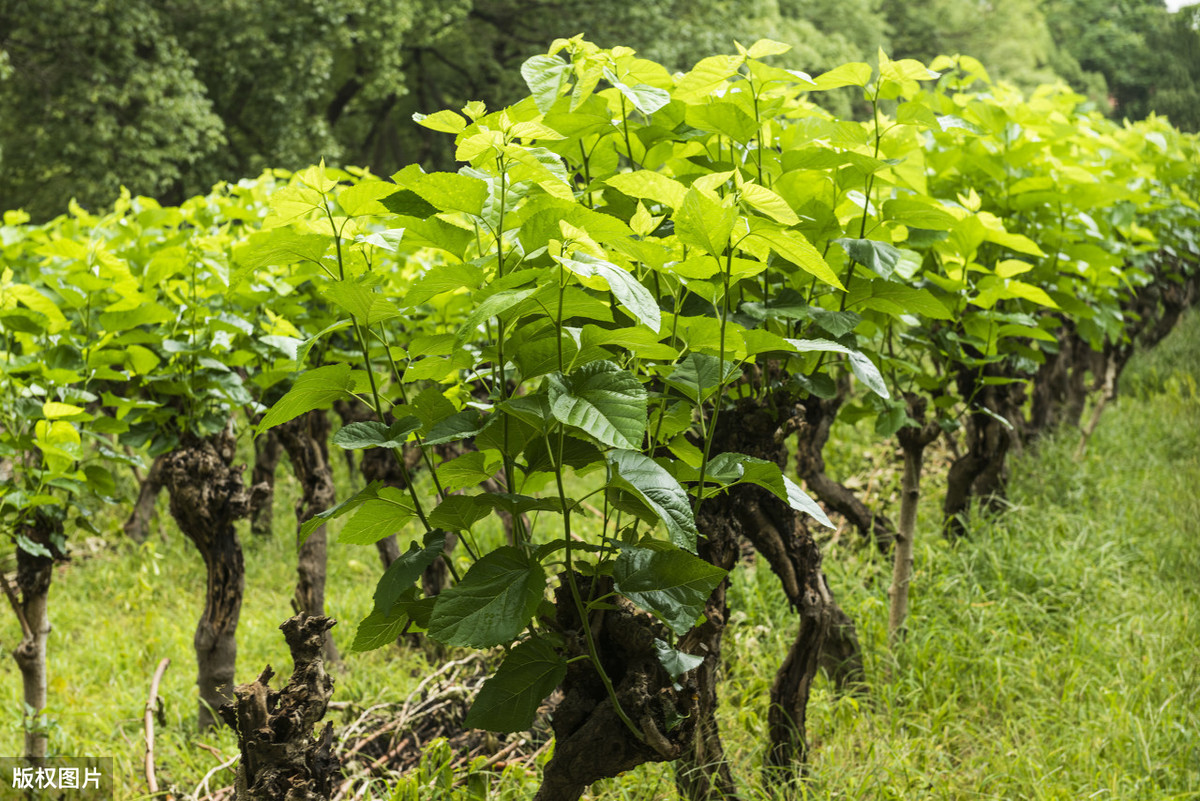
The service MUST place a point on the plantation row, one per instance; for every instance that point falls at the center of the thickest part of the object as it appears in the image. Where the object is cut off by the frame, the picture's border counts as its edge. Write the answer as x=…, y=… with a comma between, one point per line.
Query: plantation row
x=623, y=326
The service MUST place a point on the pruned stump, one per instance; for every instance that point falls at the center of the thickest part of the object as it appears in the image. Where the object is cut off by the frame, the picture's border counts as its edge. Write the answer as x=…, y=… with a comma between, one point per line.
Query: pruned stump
x=281, y=759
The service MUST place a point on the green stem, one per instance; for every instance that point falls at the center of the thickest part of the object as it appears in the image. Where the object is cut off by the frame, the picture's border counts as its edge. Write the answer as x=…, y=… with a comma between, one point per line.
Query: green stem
x=712, y=425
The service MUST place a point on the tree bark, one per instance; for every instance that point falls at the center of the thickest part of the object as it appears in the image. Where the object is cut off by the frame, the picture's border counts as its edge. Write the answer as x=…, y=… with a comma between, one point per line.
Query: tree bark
x=980, y=471
x=137, y=527
x=825, y=635
x=207, y=497
x=816, y=422
x=305, y=439
x=34, y=574
x=281, y=760
x=267, y=453
x=590, y=740
x=913, y=441
x=702, y=773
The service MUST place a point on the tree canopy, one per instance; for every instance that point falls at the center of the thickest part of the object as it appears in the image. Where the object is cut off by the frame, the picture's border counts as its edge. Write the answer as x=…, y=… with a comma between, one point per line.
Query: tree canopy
x=169, y=97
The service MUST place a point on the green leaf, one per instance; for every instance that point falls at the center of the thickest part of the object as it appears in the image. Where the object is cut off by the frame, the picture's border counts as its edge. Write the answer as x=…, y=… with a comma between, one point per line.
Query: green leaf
x=768, y=202
x=699, y=375
x=374, y=434
x=509, y=700
x=444, y=121
x=735, y=468
x=403, y=572
x=364, y=197
x=650, y=185
x=467, y=471
x=446, y=191
x=856, y=74
x=896, y=299
x=667, y=581
x=315, y=389
x=676, y=663
x=658, y=489
x=800, y=252
x=381, y=627
x=459, y=512
x=646, y=99
x=545, y=76
x=627, y=290
x=704, y=223
x=603, y=401
x=860, y=364
x=878, y=257
x=378, y=517
x=353, y=502
x=491, y=306
x=459, y=425
x=492, y=604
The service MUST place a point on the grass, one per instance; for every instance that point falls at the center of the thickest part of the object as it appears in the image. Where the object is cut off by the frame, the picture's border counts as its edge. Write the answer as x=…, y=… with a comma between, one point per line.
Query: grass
x=1053, y=654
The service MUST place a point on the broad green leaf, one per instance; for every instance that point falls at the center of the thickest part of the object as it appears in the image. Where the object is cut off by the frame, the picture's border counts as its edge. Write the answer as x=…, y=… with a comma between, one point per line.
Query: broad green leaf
x=768, y=202
x=41, y=304
x=896, y=299
x=724, y=118
x=459, y=512
x=676, y=663
x=374, y=434
x=767, y=47
x=493, y=305
x=699, y=375
x=856, y=74
x=860, y=364
x=658, y=489
x=381, y=627
x=627, y=290
x=509, y=700
x=353, y=502
x=364, y=197
x=315, y=389
x=443, y=278
x=703, y=222
x=447, y=191
x=444, y=121
x=916, y=214
x=377, y=518
x=403, y=572
x=878, y=257
x=52, y=410
x=649, y=185
x=492, y=604
x=545, y=76
x=800, y=252
x=459, y=425
x=467, y=470
x=646, y=99
x=734, y=468
x=668, y=581
x=601, y=400
x=708, y=74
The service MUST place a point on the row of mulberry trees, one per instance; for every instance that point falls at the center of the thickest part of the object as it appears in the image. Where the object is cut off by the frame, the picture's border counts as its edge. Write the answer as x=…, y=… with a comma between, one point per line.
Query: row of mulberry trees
x=624, y=325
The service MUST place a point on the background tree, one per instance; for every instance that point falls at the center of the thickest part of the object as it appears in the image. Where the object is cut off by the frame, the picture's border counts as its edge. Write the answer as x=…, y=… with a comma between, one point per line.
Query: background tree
x=96, y=95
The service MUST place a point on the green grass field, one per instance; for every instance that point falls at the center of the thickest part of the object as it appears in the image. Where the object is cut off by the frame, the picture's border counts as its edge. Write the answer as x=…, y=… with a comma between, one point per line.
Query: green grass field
x=1054, y=654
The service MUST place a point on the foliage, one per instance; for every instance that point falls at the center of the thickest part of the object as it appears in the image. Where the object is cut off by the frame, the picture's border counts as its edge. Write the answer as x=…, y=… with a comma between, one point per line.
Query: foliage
x=622, y=254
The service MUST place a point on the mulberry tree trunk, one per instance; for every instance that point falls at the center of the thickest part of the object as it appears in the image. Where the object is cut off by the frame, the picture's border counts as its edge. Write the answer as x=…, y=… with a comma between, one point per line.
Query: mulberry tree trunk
x=267, y=452
x=207, y=497
x=281, y=759
x=913, y=441
x=814, y=428
x=305, y=439
x=34, y=573
x=138, y=524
